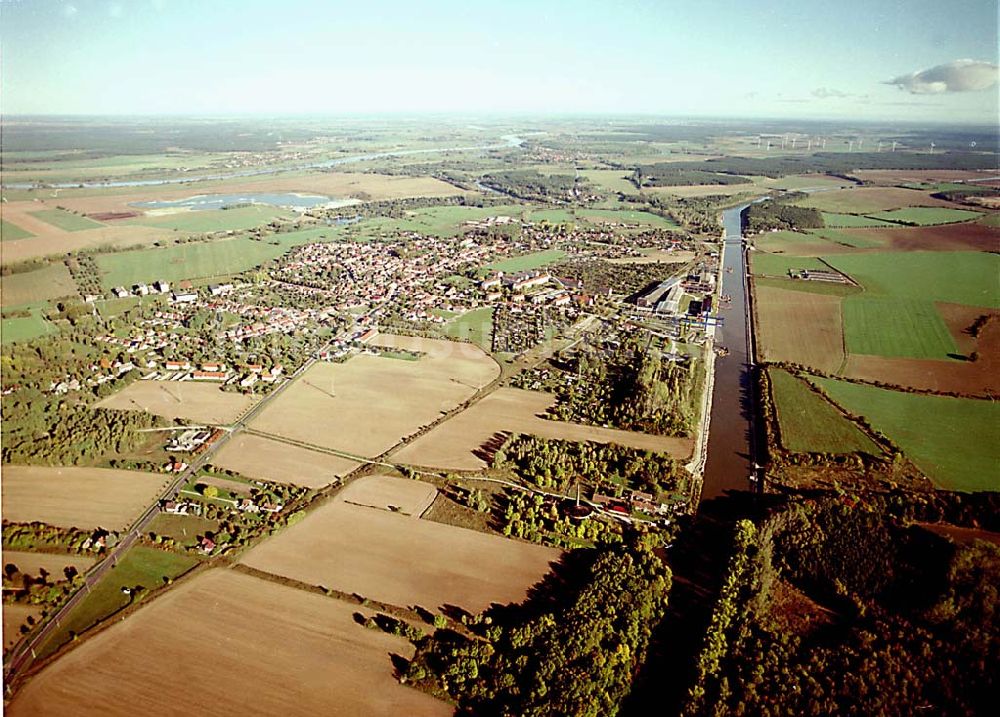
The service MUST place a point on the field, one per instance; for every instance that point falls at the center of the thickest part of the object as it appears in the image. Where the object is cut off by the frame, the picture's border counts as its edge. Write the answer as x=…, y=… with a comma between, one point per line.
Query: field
x=185, y=261
x=368, y=404
x=944, y=237
x=402, y=560
x=271, y=650
x=439, y=221
x=9, y=230
x=52, y=563
x=190, y=400
x=809, y=423
x=832, y=219
x=799, y=326
x=705, y=190
x=25, y=328
x=398, y=495
x=954, y=277
x=528, y=261
x=235, y=219
x=475, y=326
x=900, y=176
x=28, y=287
x=614, y=180
x=953, y=440
x=864, y=200
x=927, y=216
x=279, y=462
x=67, y=221
x=857, y=239
x=455, y=442
x=895, y=326
x=77, y=497
x=13, y=617
x=140, y=567
x=764, y=264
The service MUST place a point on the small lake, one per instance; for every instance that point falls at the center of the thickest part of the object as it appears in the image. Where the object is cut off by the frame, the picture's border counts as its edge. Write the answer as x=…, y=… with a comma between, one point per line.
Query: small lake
x=221, y=201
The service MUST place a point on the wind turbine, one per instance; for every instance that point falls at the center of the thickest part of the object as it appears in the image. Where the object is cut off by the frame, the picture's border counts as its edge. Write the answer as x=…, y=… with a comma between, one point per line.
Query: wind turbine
x=932, y=148
x=879, y=146
x=850, y=145
x=893, y=145
x=794, y=139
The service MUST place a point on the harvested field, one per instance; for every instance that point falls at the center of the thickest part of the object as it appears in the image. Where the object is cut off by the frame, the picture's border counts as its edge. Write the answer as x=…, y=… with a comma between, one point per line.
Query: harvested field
x=277, y=650
x=54, y=241
x=190, y=400
x=14, y=616
x=862, y=200
x=52, y=563
x=398, y=495
x=370, y=403
x=980, y=378
x=801, y=327
x=401, y=560
x=949, y=237
x=456, y=442
x=77, y=497
x=959, y=318
x=259, y=457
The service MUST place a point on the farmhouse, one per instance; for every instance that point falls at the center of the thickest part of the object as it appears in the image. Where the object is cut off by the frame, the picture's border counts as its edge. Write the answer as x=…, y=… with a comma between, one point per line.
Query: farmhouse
x=120, y=291
x=161, y=286
x=187, y=297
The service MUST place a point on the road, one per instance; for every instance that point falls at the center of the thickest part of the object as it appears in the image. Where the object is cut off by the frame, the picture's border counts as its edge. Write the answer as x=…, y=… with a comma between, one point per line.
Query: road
x=22, y=657
x=730, y=443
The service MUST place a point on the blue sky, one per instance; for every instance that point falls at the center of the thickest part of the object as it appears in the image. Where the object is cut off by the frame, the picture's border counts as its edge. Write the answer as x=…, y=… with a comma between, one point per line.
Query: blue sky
x=780, y=58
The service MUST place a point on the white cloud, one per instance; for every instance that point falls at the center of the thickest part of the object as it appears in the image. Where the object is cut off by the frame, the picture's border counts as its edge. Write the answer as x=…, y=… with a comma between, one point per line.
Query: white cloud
x=957, y=76
x=115, y=9
x=69, y=10
x=823, y=93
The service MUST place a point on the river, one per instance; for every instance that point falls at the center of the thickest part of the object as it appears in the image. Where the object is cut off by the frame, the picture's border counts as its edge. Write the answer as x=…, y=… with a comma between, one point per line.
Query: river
x=508, y=141
x=730, y=459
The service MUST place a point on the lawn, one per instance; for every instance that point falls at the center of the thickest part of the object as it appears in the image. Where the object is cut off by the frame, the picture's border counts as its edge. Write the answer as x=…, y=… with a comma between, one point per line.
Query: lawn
x=9, y=230
x=958, y=277
x=217, y=220
x=475, y=326
x=927, y=216
x=28, y=287
x=140, y=566
x=528, y=261
x=831, y=219
x=191, y=261
x=811, y=424
x=628, y=216
x=897, y=327
x=439, y=221
x=66, y=221
x=954, y=441
x=764, y=264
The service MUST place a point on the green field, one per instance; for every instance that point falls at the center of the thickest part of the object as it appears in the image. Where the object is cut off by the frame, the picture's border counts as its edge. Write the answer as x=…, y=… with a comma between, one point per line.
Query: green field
x=438, y=221
x=763, y=264
x=29, y=287
x=959, y=277
x=193, y=261
x=955, y=441
x=926, y=216
x=66, y=221
x=528, y=261
x=851, y=239
x=897, y=327
x=831, y=219
x=991, y=220
x=629, y=216
x=25, y=328
x=811, y=424
x=475, y=326
x=9, y=230
x=613, y=180
x=140, y=566
x=237, y=219
x=827, y=288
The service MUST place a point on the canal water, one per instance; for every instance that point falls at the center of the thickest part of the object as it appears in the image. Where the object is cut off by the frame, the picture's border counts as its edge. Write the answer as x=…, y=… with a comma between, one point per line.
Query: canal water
x=729, y=461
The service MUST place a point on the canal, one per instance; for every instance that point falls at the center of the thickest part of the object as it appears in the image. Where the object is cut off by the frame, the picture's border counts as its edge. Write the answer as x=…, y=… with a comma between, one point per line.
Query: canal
x=729, y=462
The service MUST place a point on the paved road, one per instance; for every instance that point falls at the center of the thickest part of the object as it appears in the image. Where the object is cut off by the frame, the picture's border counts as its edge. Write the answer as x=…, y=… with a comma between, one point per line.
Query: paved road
x=23, y=656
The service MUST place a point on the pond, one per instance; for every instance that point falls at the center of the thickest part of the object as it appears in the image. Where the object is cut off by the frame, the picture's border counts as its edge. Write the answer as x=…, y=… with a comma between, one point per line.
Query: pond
x=221, y=201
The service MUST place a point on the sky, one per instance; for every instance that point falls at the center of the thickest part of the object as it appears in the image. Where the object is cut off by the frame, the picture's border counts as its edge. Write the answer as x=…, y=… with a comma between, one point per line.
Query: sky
x=922, y=60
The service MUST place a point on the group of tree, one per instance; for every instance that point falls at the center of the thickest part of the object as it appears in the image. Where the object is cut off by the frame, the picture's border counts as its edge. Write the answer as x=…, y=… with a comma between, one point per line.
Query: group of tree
x=575, y=653
x=670, y=175
x=533, y=185
x=765, y=216
x=556, y=465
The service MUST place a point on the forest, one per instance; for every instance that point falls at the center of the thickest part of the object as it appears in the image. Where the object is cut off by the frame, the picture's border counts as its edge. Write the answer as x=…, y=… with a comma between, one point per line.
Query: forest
x=670, y=175
x=532, y=185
